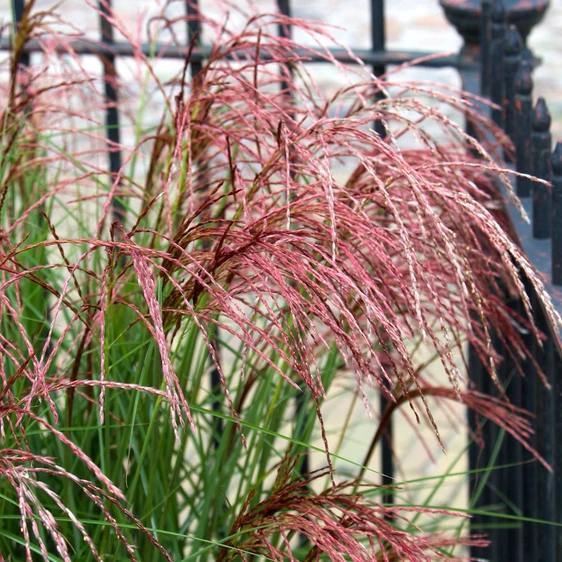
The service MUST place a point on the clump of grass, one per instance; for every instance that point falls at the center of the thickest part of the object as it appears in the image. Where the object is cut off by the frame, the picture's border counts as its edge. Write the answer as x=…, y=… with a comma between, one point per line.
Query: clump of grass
x=233, y=248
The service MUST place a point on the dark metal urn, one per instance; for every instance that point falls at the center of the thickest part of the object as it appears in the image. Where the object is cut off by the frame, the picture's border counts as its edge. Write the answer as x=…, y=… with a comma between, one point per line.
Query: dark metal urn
x=465, y=15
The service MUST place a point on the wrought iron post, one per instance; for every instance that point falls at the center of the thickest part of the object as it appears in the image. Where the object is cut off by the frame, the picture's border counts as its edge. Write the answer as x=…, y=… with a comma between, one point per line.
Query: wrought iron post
x=505, y=77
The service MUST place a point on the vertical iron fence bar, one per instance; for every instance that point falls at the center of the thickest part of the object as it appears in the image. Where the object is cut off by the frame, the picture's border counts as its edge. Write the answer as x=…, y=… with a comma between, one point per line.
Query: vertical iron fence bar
x=303, y=396
x=523, y=126
x=544, y=402
x=471, y=79
x=18, y=7
x=556, y=168
x=492, y=435
x=497, y=36
x=546, y=534
x=378, y=31
x=541, y=141
x=509, y=540
x=557, y=429
x=285, y=9
x=512, y=458
x=485, y=39
x=194, y=34
x=530, y=468
x=556, y=216
x=512, y=62
x=111, y=100
x=490, y=432
x=478, y=454
x=501, y=479
x=285, y=32
x=378, y=43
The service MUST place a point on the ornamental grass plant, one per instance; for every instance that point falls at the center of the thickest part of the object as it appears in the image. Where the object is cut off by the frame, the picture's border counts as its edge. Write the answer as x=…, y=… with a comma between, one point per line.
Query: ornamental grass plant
x=169, y=334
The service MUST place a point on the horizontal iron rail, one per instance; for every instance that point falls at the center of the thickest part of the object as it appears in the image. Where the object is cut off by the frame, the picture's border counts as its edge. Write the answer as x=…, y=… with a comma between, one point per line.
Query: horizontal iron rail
x=198, y=55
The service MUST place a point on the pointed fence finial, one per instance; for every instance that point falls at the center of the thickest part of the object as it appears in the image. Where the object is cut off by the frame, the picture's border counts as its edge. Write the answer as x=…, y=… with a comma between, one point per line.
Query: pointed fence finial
x=541, y=116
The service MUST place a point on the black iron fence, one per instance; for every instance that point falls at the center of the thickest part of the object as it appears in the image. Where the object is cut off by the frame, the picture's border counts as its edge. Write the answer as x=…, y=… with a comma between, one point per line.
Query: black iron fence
x=531, y=492
x=494, y=62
